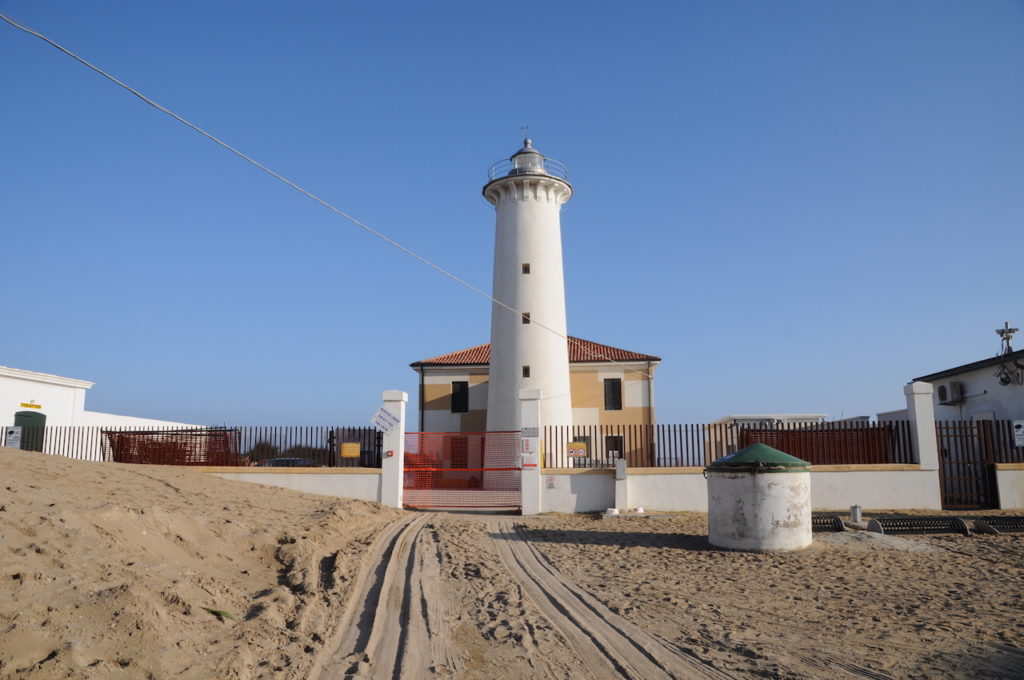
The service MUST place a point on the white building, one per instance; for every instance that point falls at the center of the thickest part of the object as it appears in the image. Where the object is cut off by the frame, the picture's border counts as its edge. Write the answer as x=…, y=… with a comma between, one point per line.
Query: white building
x=31, y=398
x=990, y=389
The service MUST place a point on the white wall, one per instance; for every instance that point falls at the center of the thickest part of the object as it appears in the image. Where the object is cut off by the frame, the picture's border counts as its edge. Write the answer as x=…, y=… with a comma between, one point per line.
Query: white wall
x=1010, y=482
x=441, y=421
x=359, y=483
x=564, y=490
x=876, y=489
x=833, y=487
x=61, y=399
x=670, y=491
x=985, y=397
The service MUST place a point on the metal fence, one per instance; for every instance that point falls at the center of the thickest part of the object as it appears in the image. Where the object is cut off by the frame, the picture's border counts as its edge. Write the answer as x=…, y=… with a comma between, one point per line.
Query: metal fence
x=968, y=454
x=278, y=446
x=696, y=445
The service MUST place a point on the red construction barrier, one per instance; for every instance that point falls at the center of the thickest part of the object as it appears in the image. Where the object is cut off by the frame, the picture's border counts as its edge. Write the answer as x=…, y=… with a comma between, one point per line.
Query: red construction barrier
x=462, y=470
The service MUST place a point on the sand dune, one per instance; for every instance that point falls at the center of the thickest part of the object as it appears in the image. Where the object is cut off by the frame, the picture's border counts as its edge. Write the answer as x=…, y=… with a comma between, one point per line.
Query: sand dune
x=122, y=571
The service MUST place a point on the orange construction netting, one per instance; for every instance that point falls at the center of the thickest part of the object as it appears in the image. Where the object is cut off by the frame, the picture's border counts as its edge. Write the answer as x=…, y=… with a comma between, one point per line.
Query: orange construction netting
x=462, y=470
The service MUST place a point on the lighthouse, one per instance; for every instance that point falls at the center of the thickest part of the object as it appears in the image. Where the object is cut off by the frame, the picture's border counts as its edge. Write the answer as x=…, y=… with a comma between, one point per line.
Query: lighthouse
x=528, y=327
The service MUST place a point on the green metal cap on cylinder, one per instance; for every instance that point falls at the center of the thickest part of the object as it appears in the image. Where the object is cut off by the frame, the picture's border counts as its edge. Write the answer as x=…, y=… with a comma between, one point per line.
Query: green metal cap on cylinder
x=758, y=458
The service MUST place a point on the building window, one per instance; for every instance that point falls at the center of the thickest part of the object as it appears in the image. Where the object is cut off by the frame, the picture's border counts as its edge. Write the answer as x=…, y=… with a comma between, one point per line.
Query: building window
x=612, y=394
x=614, y=446
x=526, y=318
x=526, y=267
x=460, y=396
x=526, y=371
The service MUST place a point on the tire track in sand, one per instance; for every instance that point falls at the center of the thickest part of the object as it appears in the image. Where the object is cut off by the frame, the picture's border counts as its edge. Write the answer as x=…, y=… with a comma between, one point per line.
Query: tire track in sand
x=608, y=645
x=392, y=626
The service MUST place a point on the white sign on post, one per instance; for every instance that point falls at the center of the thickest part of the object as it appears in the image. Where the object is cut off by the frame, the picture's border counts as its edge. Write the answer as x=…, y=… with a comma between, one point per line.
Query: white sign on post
x=384, y=420
x=12, y=436
x=1018, y=433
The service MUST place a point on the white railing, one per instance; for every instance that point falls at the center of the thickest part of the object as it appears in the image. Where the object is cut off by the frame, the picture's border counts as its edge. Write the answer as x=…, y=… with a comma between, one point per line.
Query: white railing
x=505, y=168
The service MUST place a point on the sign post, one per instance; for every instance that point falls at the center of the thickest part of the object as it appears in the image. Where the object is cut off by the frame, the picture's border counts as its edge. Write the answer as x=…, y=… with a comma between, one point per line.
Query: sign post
x=12, y=436
x=390, y=418
x=384, y=420
x=530, y=447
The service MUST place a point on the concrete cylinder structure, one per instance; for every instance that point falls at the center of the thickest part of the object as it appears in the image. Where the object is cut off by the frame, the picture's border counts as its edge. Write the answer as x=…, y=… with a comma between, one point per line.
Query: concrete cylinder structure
x=759, y=499
x=527, y=192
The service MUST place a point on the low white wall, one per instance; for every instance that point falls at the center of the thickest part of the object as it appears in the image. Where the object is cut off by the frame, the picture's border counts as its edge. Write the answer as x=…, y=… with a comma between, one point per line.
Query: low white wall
x=571, y=490
x=674, y=489
x=1010, y=482
x=889, y=487
x=359, y=483
x=833, y=487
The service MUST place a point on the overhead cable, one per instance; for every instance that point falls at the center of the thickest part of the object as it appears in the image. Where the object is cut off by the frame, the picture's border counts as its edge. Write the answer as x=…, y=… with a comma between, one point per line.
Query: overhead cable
x=293, y=185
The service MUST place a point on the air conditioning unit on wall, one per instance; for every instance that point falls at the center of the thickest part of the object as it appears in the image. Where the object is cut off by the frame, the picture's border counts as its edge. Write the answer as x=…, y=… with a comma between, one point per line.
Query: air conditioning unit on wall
x=950, y=392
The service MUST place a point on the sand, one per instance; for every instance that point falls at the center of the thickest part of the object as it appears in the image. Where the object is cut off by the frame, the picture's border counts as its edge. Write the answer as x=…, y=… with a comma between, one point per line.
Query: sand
x=134, y=571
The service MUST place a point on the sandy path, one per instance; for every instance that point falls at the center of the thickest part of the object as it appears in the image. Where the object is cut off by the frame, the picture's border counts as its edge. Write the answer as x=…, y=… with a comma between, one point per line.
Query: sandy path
x=393, y=628
x=609, y=645
x=422, y=607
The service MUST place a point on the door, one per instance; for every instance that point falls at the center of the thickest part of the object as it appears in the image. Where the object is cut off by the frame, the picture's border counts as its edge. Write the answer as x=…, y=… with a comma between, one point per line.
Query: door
x=33, y=426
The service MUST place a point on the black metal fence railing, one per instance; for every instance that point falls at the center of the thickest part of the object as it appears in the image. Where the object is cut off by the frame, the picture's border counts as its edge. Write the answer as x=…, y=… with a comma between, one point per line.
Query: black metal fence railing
x=696, y=445
x=968, y=453
x=325, y=446
x=264, y=446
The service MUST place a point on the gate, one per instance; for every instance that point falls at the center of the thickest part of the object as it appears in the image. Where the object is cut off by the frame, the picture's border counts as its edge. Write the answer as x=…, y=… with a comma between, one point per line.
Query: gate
x=967, y=464
x=462, y=470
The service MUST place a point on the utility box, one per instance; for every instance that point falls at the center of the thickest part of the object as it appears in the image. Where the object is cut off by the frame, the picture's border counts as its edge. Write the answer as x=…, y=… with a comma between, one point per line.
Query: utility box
x=759, y=499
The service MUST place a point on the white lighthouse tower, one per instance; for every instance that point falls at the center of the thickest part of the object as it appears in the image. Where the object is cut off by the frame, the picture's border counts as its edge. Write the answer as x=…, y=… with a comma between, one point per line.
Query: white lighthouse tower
x=527, y=192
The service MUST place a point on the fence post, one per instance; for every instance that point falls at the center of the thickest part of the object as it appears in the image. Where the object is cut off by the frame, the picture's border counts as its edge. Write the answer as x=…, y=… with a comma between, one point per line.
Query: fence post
x=529, y=417
x=392, y=463
x=921, y=413
x=621, y=485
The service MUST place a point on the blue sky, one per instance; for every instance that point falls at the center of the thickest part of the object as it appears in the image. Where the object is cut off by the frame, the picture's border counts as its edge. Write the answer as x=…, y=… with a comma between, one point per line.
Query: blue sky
x=799, y=206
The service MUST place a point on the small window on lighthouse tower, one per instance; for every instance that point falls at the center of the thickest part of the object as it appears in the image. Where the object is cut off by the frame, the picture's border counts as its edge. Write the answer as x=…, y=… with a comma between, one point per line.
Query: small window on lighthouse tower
x=526, y=371
x=526, y=318
x=526, y=267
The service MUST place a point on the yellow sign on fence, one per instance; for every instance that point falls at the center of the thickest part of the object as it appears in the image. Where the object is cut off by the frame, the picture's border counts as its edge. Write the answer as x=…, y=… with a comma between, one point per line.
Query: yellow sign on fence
x=577, y=449
x=350, y=449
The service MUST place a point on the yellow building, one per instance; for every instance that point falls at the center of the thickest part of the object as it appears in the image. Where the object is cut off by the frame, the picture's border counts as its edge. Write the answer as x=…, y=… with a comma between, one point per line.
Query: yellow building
x=608, y=385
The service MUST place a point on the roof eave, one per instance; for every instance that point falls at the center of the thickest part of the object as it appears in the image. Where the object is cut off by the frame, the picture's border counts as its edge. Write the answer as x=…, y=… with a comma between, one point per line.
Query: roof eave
x=973, y=366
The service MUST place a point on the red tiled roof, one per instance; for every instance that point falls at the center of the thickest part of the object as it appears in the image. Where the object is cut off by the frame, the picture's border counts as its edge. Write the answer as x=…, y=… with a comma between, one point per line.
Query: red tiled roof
x=580, y=351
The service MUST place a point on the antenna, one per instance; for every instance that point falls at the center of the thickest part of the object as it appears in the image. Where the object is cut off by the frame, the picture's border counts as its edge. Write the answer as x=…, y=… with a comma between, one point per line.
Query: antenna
x=1006, y=334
